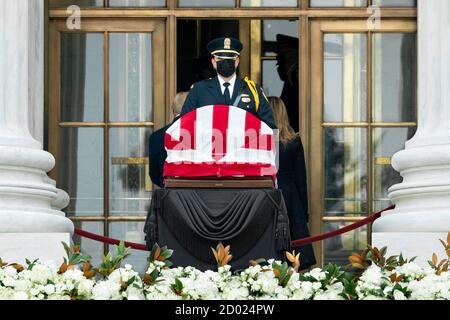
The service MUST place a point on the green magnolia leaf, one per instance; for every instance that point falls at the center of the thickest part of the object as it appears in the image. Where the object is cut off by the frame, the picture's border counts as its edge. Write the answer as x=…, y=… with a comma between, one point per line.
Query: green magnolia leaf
x=154, y=274
x=177, y=286
x=166, y=253
x=131, y=280
x=66, y=247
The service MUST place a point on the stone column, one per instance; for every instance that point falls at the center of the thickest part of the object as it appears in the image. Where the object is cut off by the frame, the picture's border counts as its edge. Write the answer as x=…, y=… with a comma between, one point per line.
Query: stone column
x=32, y=224
x=422, y=213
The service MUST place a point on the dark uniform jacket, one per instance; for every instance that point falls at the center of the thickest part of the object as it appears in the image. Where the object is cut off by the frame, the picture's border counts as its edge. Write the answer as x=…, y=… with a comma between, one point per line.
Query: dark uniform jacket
x=158, y=155
x=291, y=178
x=208, y=92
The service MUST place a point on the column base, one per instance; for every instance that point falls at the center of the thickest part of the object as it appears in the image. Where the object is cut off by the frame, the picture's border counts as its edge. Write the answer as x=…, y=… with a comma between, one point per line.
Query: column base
x=411, y=244
x=47, y=247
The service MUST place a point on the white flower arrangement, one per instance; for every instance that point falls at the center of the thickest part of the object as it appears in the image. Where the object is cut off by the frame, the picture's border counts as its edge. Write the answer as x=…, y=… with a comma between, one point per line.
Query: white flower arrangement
x=381, y=279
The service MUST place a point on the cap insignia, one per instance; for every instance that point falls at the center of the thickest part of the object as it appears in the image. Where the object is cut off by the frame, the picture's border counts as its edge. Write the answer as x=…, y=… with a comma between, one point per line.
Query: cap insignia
x=227, y=43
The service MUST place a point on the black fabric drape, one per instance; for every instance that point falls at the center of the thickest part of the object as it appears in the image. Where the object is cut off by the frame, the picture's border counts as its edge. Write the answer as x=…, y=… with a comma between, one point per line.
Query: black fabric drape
x=191, y=221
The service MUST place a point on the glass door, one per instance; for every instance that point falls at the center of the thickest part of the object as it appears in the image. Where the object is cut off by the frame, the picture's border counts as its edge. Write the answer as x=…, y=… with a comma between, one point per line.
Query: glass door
x=363, y=109
x=107, y=95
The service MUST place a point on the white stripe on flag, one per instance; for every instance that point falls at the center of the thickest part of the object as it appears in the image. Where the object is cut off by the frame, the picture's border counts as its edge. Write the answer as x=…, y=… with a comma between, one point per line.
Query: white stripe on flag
x=174, y=130
x=243, y=155
x=203, y=132
x=236, y=128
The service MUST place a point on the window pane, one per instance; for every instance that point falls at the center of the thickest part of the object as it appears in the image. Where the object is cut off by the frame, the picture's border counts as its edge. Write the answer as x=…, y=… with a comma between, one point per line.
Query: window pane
x=394, y=77
x=82, y=77
x=271, y=81
x=271, y=28
x=386, y=142
x=345, y=166
x=206, y=3
x=395, y=3
x=338, y=3
x=80, y=3
x=81, y=170
x=88, y=246
x=129, y=171
x=269, y=3
x=130, y=65
x=132, y=231
x=137, y=3
x=339, y=248
x=345, y=77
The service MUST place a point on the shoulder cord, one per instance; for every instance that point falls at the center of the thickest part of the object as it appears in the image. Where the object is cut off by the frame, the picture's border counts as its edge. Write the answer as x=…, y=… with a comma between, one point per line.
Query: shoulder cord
x=252, y=86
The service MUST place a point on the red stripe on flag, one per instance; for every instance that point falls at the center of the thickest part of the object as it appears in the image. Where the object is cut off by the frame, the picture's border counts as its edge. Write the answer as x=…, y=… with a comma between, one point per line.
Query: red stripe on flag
x=188, y=125
x=252, y=131
x=266, y=142
x=219, y=136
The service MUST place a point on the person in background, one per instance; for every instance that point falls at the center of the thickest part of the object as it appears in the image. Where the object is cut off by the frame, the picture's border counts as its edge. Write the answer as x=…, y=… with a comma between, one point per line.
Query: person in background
x=291, y=178
x=157, y=152
x=287, y=61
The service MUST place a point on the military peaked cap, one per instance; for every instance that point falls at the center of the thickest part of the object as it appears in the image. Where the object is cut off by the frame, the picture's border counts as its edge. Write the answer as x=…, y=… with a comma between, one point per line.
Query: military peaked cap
x=225, y=47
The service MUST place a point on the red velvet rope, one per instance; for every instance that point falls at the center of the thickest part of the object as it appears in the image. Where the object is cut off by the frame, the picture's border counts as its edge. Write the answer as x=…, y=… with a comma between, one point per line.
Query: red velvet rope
x=323, y=236
x=96, y=237
x=295, y=243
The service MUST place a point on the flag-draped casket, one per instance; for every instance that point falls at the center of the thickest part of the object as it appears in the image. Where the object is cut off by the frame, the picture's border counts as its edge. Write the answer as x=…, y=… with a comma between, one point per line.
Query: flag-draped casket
x=221, y=141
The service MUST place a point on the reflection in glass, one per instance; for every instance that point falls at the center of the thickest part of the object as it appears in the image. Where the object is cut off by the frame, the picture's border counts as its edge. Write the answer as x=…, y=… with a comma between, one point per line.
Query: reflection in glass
x=206, y=3
x=82, y=77
x=337, y=249
x=271, y=28
x=338, y=3
x=287, y=57
x=271, y=81
x=132, y=231
x=269, y=3
x=81, y=170
x=394, y=77
x=345, y=77
x=128, y=161
x=395, y=3
x=137, y=3
x=386, y=142
x=345, y=167
x=80, y=3
x=88, y=246
x=130, y=66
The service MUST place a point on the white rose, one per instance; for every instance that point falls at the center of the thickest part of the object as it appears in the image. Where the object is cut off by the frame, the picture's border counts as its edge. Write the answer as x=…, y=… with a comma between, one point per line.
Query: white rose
x=9, y=282
x=20, y=295
x=398, y=295
x=49, y=289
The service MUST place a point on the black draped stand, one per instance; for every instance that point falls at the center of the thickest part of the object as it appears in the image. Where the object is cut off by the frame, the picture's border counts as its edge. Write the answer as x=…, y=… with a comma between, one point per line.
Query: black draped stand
x=191, y=221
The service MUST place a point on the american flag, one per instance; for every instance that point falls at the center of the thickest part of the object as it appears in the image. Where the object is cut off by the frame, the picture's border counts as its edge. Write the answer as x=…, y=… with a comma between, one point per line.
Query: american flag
x=221, y=141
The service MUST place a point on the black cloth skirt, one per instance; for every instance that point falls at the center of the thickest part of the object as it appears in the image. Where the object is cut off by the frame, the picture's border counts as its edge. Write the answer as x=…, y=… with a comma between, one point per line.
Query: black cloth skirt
x=253, y=222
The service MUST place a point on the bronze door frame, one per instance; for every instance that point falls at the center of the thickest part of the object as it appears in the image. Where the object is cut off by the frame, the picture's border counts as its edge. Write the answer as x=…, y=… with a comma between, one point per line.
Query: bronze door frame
x=157, y=28
x=316, y=156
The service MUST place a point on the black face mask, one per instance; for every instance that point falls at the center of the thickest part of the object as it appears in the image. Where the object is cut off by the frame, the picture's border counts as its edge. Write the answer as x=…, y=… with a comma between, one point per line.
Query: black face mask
x=226, y=67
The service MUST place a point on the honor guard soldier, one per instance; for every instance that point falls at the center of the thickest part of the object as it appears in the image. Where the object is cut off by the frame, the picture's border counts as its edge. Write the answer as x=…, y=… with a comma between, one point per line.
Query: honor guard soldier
x=226, y=88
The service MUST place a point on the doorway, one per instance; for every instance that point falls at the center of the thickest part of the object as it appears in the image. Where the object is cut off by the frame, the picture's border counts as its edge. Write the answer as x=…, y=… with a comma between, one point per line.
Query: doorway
x=270, y=55
x=107, y=95
x=363, y=109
